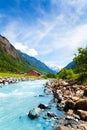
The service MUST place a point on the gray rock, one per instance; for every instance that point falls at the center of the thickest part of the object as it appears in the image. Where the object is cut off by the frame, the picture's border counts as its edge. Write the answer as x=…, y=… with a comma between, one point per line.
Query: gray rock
x=43, y=106
x=50, y=115
x=34, y=113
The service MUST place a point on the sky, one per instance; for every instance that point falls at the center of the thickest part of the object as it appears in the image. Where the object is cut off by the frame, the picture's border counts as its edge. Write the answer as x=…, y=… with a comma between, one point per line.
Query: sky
x=50, y=30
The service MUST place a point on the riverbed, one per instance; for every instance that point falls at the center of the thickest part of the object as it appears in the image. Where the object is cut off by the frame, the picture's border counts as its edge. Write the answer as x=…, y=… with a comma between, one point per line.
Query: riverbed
x=16, y=100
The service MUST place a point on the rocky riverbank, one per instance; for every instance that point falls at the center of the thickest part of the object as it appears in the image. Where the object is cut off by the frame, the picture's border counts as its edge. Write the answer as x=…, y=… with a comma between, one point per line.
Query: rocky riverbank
x=71, y=98
x=9, y=80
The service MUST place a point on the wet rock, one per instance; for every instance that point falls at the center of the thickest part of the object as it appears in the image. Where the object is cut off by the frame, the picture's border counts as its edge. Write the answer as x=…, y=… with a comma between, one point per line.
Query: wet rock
x=58, y=97
x=81, y=104
x=43, y=106
x=50, y=115
x=70, y=123
x=47, y=91
x=41, y=95
x=70, y=96
x=34, y=113
x=60, y=106
x=69, y=105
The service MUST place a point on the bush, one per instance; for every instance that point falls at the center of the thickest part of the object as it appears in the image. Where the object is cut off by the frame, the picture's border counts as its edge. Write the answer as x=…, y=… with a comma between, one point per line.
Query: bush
x=66, y=74
x=49, y=76
x=82, y=77
x=80, y=60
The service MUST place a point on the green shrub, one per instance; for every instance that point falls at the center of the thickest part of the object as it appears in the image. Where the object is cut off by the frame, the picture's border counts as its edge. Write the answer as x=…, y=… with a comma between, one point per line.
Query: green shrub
x=80, y=60
x=66, y=74
x=49, y=76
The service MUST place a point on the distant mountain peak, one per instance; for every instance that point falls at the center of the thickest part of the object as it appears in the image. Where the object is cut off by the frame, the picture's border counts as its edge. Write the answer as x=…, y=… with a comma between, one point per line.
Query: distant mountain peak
x=54, y=68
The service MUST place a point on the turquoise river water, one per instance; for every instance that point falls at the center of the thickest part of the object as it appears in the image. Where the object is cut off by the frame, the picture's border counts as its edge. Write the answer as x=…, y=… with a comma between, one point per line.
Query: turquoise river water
x=15, y=102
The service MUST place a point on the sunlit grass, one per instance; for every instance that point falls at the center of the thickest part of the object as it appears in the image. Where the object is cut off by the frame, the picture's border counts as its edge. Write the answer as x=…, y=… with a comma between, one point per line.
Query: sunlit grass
x=16, y=75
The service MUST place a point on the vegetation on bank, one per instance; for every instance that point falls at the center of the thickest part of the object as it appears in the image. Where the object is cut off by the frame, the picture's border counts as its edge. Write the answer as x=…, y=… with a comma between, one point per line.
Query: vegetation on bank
x=79, y=71
x=15, y=75
x=12, y=60
x=11, y=65
x=81, y=62
x=67, y=74
x=50, y=75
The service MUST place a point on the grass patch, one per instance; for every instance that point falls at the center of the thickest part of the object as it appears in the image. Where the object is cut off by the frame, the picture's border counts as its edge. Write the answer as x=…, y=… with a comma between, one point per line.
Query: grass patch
x=16, y=75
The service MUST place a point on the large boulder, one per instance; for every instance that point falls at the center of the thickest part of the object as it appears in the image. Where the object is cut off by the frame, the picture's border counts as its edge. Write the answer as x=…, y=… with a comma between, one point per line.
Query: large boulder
x=34, y=113
x=70, y=121
x=69, y=105
x=82, y=114
x=81, y=104
x=43, y=106
x=82, y=126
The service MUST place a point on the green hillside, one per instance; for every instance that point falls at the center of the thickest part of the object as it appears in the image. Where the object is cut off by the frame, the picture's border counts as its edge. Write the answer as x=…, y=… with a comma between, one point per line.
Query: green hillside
x=9, y=64
x=11, y=60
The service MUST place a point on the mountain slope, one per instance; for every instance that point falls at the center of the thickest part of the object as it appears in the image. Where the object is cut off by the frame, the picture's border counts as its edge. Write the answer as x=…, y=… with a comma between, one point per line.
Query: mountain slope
x=7, y=48
x=37, y=63
x=11, y=60
x=71, y=65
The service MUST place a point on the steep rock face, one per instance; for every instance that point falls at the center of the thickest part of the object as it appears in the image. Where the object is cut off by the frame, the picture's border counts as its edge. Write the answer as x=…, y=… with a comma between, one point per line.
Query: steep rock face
x=6, y=47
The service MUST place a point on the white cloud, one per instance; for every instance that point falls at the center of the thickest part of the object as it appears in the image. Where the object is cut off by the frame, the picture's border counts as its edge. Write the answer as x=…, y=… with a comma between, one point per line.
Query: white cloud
x=64, y=30
x=20, y=46
x=72, y=39
x=55, y=67
x=26, y=49
x=77, y=37
x=10, y=31
x=32, y=52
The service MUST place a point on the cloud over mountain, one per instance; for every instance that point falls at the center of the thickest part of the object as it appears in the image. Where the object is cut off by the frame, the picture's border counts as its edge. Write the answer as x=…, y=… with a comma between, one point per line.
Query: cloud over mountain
x=50, y=30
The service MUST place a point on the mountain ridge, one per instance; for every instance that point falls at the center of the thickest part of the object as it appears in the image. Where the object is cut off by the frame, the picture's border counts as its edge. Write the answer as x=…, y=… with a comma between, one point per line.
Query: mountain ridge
x=11, y=60
x=70, y=65
x=8, y=48
x=37, y=63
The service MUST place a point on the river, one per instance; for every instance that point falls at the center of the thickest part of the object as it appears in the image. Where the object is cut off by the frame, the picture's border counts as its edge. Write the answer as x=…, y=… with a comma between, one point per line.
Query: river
x=17, y=99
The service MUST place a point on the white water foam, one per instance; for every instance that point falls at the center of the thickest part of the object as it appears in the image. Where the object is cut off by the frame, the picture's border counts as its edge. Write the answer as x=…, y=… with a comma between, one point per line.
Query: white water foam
x=16, y=93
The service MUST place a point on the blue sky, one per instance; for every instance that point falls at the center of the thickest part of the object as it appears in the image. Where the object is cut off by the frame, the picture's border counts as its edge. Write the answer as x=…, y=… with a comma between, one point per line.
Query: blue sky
x=50, y=30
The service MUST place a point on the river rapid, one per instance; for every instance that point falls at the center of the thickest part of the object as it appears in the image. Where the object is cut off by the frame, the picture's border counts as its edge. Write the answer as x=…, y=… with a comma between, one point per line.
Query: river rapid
x=16, y=100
